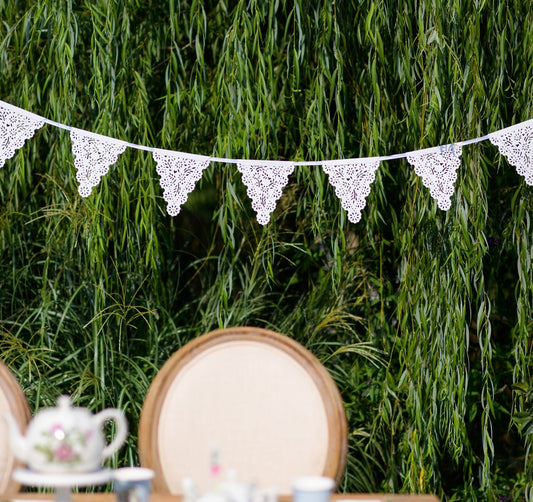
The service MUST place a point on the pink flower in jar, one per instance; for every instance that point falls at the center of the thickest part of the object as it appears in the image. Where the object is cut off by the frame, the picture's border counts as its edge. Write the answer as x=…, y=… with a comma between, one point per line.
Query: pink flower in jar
x=64, y=452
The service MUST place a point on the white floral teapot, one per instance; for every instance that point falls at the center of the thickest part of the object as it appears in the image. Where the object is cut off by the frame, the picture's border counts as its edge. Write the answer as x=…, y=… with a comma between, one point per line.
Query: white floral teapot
x=66, y=439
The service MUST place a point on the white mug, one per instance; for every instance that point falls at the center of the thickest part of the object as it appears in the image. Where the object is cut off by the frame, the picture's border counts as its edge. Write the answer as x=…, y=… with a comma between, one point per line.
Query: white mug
x=312, y=489
x=133, y=484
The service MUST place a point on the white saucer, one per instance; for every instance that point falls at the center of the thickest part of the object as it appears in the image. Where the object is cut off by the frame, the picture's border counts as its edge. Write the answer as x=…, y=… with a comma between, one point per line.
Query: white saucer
x=49, y=479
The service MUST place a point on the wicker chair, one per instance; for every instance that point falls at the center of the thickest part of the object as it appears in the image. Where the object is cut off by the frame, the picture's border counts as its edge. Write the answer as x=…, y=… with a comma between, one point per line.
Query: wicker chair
x=12, y=400
x=265, y=401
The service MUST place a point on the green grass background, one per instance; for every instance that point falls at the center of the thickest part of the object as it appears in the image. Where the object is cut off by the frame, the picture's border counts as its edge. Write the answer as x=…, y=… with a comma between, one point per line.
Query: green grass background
x=423, y=317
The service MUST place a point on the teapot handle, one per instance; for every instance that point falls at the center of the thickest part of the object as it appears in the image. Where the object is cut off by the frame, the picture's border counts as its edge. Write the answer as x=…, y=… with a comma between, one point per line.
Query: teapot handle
x=121, y=429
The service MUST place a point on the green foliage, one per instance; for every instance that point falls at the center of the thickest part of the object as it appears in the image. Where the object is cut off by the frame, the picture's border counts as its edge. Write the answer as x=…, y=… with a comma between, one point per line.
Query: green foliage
x=423, y=317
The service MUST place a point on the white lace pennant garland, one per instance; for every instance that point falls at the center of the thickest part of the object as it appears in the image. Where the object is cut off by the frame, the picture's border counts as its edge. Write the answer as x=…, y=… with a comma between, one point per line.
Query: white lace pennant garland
x=16, y=126
x=516, y=143
x=438, y=169
x=93, y=154
x=179, y=174
x=352, y=179
x=265, y=181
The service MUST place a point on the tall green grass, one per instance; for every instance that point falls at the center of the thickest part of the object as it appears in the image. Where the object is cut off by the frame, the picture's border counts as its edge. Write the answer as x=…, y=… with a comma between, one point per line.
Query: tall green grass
x=423, y=317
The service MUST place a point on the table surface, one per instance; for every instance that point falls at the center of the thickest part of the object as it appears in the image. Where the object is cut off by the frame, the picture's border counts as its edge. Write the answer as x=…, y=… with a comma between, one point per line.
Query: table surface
x=158, y=497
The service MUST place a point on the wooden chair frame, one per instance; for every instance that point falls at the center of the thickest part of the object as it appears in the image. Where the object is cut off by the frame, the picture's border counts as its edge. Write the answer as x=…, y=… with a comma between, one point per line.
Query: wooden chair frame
x=333, y=403
x=19, y=408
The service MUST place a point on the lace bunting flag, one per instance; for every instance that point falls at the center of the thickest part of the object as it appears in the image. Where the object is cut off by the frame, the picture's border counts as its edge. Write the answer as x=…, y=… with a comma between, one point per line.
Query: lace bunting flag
x=265, y=181
x=16, y=126
x=438, y=169
x=179, y=174
x=516, y=143
x=352, y=180
x=93, y=154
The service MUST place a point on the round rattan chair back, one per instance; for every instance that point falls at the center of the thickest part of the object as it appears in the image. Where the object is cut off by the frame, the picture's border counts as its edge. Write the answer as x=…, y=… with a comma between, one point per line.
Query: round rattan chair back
x=12, y=400
x=263, y=400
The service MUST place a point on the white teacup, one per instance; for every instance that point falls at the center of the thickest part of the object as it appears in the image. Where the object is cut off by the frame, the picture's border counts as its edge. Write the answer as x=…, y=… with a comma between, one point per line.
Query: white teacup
x=133, y=484
x=312, y=489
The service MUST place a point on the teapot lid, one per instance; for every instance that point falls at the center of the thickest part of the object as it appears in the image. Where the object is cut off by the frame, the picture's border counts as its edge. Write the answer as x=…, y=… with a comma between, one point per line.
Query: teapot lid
x=64, y=402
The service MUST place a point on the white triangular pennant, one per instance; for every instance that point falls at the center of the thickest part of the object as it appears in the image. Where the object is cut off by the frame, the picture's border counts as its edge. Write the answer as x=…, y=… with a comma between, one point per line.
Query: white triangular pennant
x=265, y=181
x=93, y=154
x=438, y=169
x=16, y=126
x=516, y=143
x=179, y=174
x=352, y=179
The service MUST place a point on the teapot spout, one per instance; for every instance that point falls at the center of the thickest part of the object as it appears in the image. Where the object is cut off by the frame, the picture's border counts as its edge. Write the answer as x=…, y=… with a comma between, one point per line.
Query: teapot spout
x=17, y=441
